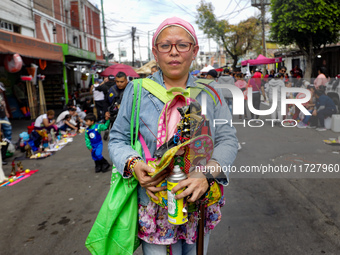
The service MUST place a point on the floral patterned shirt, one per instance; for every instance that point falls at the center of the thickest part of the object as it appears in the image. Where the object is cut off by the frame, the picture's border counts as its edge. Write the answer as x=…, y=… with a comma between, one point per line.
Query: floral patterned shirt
x=154, y=226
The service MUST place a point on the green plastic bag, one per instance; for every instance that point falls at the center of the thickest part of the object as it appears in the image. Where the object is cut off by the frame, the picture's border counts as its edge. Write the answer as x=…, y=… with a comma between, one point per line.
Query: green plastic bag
x=115, y=230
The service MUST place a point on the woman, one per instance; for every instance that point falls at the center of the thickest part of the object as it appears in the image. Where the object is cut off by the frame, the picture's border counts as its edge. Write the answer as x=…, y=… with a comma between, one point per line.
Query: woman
x=175, y=46
x=256, y=83
x=321, y=79
x=310, y=105
x=278, y=84
x=45, y=121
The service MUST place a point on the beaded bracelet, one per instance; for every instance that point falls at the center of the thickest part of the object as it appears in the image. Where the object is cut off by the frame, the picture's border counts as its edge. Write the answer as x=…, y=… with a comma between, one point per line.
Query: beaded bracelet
x=131, y=162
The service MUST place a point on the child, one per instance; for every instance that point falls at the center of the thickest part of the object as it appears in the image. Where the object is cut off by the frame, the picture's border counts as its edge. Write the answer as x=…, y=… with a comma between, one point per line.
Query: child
x=94, y=142
x=67, y=123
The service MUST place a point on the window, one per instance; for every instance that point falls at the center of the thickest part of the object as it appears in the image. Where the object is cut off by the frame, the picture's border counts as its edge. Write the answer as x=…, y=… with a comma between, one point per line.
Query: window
x=16, y=29
x=6, y=25
x=9, y=26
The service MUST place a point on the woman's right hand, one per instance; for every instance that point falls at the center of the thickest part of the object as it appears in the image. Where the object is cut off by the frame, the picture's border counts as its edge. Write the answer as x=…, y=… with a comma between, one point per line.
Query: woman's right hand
x=142, y=171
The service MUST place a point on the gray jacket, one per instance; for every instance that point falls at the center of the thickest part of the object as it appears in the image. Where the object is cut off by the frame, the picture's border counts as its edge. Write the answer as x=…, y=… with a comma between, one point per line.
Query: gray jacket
x=226, y=80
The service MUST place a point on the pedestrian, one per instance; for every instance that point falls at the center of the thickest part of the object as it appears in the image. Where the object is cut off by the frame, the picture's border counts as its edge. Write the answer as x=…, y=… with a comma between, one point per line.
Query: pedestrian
x=278, y=84
x=104, y=87
x=94, y=142
x=174, y=46
x=242, y=85
x=227, y=79
x=321, y=79
x=98, y=97
x=310, y=105
x=4, y=114
x=116, y=92
x=325, y=107
x=154, y=69
x=46, y=121
x=88, y=105
x=257, y=88
x=212, y=75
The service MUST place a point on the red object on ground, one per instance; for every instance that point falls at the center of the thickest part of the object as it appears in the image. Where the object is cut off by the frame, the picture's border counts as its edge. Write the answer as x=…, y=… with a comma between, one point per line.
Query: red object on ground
x=30, y=129
x=114, y=69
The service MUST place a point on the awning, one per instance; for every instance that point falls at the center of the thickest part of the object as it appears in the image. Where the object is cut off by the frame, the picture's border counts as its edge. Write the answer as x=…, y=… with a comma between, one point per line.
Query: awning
x=30, y=47
x=76, y=54
x=261, y=60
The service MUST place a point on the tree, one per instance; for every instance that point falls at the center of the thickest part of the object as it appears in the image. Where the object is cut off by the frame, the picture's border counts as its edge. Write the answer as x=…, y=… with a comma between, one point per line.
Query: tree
x=310, y=24
x=236, y=39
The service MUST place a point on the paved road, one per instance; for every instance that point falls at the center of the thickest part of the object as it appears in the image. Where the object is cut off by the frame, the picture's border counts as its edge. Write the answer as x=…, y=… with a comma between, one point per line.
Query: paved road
x=52, y=211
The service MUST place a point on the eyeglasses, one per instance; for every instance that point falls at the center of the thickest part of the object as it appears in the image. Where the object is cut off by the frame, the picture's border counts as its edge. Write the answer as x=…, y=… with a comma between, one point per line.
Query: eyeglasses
x=167, y=47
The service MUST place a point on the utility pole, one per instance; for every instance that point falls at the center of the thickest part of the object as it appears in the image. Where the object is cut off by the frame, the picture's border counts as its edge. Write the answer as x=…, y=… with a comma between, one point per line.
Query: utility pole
x=140, y=54
x=104, y=30
x=261, y=4
x=263, y=13
x=149, y=53
x=133, y=32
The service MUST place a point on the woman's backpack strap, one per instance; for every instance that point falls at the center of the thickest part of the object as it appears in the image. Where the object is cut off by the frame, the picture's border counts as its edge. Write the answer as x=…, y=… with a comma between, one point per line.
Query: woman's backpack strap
x=157, y=90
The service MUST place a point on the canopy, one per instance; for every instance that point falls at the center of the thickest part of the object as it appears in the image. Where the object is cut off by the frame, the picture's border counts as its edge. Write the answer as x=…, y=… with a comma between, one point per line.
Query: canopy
x=114, y=69
x=261, y=60
x=146, y=69
x=207, y=69
x=30, y=47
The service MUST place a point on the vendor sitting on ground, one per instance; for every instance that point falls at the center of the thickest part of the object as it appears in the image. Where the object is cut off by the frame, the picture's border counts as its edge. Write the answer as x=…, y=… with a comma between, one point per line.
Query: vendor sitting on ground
x=325, y=107
x=67, y=124
x=46, y=121
x=62, y=116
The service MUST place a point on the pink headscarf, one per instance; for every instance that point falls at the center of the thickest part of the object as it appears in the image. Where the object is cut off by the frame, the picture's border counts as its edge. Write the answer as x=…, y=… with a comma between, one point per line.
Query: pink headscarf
x=174, y=21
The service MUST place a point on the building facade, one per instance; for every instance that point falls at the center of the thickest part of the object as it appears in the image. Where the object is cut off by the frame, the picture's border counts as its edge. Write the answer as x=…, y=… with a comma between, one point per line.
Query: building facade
x=17, y=17
x=61, y=37
x=76, y=23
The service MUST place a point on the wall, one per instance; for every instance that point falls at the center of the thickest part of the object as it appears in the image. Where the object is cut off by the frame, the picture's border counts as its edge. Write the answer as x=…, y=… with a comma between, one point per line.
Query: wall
x=19, y=14
x=76, y=22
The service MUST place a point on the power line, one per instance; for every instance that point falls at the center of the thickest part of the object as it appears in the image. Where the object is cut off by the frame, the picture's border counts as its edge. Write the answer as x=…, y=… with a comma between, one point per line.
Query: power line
x=228, y=14
x=241, y=9
x=183, y=9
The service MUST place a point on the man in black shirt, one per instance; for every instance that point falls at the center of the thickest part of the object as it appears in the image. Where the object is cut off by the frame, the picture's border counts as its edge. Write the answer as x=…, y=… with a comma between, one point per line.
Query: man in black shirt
x=105, y=87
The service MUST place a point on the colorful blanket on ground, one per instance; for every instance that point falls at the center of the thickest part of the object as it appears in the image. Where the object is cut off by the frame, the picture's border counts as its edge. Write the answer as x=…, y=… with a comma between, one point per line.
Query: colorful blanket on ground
x=18, y=178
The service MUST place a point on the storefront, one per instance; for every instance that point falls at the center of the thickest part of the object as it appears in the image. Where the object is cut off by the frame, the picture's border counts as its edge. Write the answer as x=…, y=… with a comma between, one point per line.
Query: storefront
x=77, y=70
x=47, y=57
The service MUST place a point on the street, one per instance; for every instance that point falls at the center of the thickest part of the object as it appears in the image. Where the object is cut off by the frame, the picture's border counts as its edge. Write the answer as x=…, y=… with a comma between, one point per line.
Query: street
x=52, y=211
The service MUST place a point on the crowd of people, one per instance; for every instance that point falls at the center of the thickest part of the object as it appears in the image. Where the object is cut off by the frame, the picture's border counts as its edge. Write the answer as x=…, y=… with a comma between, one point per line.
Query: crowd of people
x=320, y=106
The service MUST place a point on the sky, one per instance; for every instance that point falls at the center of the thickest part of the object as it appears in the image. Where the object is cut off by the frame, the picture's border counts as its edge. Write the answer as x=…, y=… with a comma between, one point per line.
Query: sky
x=147, y=15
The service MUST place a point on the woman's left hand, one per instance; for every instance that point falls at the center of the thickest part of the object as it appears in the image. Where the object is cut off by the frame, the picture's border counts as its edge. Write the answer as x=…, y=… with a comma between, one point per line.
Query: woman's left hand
x=196, y=184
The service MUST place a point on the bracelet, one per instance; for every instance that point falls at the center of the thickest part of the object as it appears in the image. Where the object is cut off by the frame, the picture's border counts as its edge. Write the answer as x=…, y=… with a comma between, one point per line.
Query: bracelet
x=210, y=178
x=131, y=163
